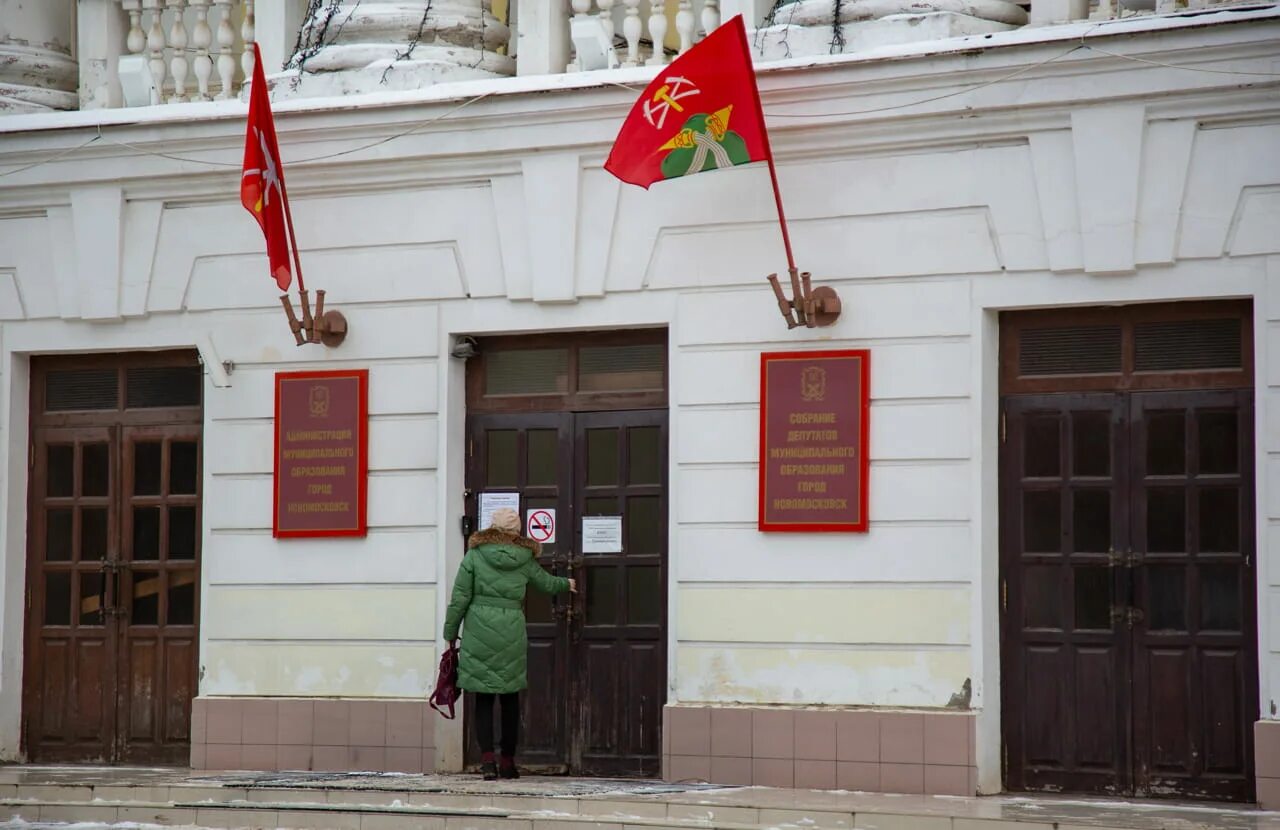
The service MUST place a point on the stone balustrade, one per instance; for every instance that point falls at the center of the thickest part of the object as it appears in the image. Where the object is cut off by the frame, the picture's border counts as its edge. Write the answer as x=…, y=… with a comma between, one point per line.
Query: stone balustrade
x=61, y=54
x=193, y=50
x=612, y=33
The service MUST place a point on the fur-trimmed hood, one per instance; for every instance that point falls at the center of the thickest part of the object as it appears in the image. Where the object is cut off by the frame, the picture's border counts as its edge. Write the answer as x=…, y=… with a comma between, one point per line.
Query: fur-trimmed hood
x=493, y=536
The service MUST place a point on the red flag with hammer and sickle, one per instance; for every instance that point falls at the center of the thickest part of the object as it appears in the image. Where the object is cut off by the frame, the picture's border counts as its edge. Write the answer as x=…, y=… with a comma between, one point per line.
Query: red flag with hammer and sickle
x=701, y=113
x=262, y=180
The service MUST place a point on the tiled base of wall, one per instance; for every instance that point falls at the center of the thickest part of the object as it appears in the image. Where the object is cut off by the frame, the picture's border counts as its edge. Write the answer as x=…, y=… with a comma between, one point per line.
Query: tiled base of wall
x=892, y=752
x=1266, y=762
x=300, y=734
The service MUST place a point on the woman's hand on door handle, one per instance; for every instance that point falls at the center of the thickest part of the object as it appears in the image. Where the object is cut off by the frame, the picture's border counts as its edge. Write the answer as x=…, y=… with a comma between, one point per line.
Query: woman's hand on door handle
x=573, y=586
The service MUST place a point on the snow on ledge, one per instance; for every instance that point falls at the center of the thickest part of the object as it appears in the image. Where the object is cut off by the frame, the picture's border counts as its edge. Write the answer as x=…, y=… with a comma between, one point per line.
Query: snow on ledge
x=637, y=77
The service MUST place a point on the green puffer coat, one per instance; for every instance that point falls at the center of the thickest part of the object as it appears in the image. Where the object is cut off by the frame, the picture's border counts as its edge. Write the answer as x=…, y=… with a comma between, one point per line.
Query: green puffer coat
x=488, y=595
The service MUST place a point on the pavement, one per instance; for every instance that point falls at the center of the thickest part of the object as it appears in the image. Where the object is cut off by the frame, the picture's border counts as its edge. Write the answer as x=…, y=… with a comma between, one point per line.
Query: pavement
x=96, y=797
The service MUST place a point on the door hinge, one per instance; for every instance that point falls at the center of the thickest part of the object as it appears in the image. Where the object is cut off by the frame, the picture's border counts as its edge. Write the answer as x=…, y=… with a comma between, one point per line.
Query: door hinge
x=1004, y=594
x=1004, y=427
x=471, y=447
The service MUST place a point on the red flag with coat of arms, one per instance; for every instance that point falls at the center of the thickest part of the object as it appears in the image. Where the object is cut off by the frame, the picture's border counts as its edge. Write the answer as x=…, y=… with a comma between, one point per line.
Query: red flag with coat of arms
x=262, y=179
x=701, y=113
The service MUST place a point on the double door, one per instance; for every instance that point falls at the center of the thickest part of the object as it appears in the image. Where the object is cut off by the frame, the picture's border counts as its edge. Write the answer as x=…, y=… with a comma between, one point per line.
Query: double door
x=1128, y=593
x=113, y=564
x=597, y=659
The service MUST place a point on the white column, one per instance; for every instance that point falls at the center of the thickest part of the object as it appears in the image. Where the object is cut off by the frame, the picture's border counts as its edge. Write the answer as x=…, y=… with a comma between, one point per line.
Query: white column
x=752, y=11
x=658, y=33
x=248, y=32
x=1046, y=12
x=632, y=27
x=180, y=62
x=276, y=30
x=155, y=48
x=37, y=71
x=685, y=24
x=710, y=16
x=201, y=40
x=226, y=36
x=544, y=38
x=101, y=37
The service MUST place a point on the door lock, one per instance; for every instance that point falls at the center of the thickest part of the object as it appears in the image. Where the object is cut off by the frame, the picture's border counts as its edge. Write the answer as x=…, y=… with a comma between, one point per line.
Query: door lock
x=1126, y=614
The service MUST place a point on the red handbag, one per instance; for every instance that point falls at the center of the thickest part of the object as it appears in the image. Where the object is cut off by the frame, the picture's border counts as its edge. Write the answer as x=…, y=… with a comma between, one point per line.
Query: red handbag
x=446, y=693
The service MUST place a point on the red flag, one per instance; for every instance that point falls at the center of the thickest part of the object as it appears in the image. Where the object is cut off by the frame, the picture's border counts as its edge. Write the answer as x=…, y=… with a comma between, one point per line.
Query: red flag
x=701, y=113
x=262, y=181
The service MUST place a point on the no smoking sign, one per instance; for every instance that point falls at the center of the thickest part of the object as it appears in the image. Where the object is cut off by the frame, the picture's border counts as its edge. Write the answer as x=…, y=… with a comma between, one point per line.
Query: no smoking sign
x=542, y=524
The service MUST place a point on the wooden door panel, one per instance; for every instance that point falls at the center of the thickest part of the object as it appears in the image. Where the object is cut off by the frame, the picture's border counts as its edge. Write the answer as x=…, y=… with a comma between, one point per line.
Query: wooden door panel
x=1195, y=685
x=1222, y=685
x=69, y=684
x=1130, y=670
x=532, y=455
x=620, y=681
x=180, y=652
x=596, y=661
x=158, y=584
x=1064, y=656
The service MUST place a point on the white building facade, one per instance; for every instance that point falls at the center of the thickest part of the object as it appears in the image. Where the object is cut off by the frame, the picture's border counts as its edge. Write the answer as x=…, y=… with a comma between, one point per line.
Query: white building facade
x=1060, y=243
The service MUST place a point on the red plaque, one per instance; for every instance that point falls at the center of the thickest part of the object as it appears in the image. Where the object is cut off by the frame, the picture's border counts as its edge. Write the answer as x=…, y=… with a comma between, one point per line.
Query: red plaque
x=813, y=440
x=322, y=454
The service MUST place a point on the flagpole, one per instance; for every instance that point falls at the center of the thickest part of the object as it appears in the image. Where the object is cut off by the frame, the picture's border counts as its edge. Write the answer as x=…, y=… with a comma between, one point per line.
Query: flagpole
x=773, y=176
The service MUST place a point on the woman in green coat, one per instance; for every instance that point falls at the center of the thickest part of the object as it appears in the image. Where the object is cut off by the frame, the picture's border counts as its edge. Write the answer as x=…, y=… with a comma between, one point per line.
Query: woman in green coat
x=488, y=604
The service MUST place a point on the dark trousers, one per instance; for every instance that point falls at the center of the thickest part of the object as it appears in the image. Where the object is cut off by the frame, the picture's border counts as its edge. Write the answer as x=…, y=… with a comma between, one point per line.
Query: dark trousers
x=510, y=704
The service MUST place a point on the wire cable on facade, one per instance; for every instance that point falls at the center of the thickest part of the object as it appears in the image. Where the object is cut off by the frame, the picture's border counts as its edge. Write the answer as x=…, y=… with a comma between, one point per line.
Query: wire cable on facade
x=1081, y=45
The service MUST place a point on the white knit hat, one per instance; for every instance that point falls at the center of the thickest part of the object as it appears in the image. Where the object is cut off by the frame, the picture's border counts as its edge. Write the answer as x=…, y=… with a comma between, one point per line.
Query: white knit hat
x=506, y=520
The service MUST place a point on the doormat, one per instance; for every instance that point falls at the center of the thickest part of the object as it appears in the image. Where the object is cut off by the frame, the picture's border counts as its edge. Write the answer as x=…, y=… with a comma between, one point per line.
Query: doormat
x=454, y=784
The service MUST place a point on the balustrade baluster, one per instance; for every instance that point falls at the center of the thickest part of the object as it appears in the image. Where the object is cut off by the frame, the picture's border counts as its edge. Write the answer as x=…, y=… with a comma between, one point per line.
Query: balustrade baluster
x=178, y=63
x=632, y=27
x=606, y=18
x=226, y=40
x=685, y=24
x=580, y=10
x=710, y=16
x=202, y=39
x=155, y=48
x=657, y=32
x=136, y=42
x=248, y=34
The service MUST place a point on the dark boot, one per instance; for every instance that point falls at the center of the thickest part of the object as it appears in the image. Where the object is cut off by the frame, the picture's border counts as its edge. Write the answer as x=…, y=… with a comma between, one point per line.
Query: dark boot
x=488, y=769
x=507, y=768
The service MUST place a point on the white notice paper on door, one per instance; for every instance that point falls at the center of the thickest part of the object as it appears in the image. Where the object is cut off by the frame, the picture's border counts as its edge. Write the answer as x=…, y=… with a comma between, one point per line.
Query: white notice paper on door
x=490, y=502
x=602, y=534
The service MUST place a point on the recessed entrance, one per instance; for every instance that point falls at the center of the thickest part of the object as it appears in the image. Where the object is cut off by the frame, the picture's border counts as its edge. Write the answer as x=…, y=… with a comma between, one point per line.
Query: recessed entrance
x=1127, y=551
x=578, y=425
x=113, y=567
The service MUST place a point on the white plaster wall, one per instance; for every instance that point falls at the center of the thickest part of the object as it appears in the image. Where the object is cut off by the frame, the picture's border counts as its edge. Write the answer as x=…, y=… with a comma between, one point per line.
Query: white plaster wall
x=1090, y=180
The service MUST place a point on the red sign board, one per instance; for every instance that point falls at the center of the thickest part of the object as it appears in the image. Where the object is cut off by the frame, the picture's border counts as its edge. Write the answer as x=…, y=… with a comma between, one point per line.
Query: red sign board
x=813, y=440
x=322, y=454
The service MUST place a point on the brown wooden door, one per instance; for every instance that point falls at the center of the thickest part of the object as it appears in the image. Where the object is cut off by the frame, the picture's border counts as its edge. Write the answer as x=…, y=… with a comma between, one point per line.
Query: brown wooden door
x=1194, y=639
x=618, y=657
x=158, y=596
x=1067, y=663
x=597, y=665
x=533, y=455
x=113, y=564
x=1128, y=593
x=69, y=694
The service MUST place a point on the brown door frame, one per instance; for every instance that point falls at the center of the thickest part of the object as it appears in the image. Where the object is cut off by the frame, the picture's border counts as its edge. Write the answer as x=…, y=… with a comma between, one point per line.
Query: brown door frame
x=1130, y=390
x=111, y=425
x=572, y=409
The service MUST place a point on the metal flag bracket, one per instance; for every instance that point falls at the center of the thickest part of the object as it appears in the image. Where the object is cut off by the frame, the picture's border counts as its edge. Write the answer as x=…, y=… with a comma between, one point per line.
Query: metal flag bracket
x=327, y=327
x=812, y=307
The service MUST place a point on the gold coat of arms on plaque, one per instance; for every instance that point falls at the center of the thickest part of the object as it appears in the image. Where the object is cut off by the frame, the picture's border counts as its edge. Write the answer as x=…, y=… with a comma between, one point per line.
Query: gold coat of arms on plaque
x=318, y=401
x=813, y=383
